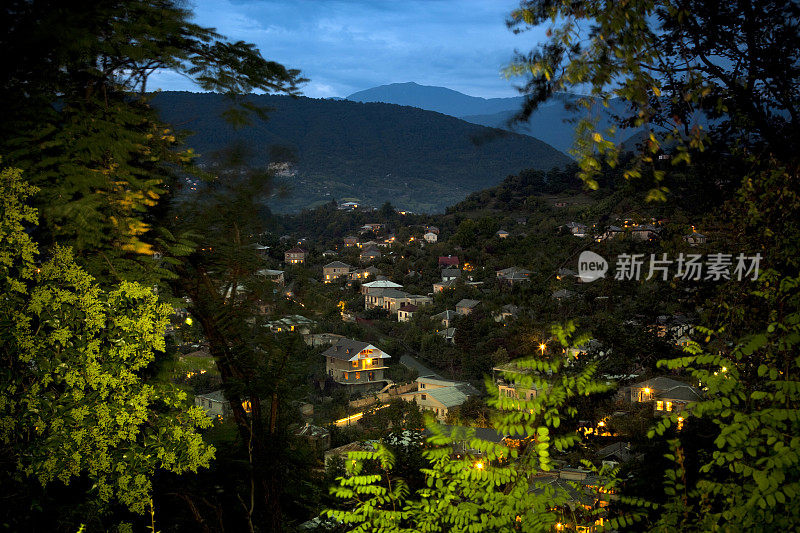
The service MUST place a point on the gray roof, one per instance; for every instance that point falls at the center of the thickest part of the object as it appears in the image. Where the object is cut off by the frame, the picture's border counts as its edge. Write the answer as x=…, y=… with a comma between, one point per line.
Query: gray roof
x=214, y=396
x=513, y=271
x=451, y=272
x=667, y=388
x=466, y=302
x=563, y=293
x=453, y=396
x=487, y=434
x=445, y=315
x=337, y=264
x=390, y=293
x=345, y=349
x=382, y=284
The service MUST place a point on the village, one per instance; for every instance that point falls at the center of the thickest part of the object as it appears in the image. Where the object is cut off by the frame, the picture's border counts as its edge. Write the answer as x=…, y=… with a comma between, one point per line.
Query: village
x=393, y=350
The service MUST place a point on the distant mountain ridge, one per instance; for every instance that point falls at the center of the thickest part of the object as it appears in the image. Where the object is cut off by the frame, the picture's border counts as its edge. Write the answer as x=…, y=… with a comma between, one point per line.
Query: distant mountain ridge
x=417, y=159
x=439, y=99
x=552, y=123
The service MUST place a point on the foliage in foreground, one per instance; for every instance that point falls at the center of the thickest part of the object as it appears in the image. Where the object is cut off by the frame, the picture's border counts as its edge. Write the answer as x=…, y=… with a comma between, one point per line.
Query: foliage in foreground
x=73, y=401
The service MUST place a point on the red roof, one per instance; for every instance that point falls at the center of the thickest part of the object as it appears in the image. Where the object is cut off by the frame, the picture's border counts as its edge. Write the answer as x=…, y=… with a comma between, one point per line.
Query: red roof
x=296, y=250
x=450, y=260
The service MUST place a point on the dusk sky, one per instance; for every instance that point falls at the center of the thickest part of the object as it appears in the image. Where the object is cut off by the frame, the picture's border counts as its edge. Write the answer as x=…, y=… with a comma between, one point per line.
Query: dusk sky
x=348, y=46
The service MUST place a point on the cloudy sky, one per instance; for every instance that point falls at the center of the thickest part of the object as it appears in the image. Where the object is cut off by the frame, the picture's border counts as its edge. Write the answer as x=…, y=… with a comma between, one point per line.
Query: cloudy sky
x=349, y=45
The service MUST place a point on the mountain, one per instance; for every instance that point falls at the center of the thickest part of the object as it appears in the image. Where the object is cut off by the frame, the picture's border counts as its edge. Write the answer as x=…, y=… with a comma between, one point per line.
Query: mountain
x=552, y=123
x=439, y=99
x=419, y=160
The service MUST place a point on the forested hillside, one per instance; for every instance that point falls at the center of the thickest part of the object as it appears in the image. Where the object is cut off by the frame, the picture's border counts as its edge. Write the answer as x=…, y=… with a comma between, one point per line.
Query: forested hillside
x=420, y=160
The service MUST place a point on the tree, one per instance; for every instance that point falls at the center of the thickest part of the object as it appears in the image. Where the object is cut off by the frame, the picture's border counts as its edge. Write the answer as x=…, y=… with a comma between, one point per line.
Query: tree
x=74, y=404
x=77, y=119
x=715, y=86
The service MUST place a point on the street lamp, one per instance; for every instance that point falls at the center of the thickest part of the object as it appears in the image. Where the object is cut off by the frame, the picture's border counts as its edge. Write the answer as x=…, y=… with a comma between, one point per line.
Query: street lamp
x=542, y=347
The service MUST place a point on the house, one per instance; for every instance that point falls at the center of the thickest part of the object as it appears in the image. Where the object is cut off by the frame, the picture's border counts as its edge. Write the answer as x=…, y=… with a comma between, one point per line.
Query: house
x=318, y=438
x=295, y=256
x=369, y=254
x=214, y=404
x=393, y=301
x=405, y=312
x=449, y=261
x=321, y=339
x=448, y=334
x=430, y=237
x=439, y=286
x=667, y=394
x=503, y=234
x=695, y=238
x=350, y=241
x=466, y=306
x=368, y=244
x=576, y=228
x=373, y=227
x=522, y=221
x=446, y=317
x=342, y=451
x=356, y=364
x=508, y=378
x=335, y=270
x=329, y=253
x=450, y=274
x=387, y=241
x=348, y=206
x=506, y=313
x=514, y=275
x=261, y=251
x=364, y=273
x=366, y=288
x=276, y=276
x=616, y=454
x=297, y=323
x=563, y=294
x=644, y=232
x=612, y=232
x=439, y=395
x=432, y=229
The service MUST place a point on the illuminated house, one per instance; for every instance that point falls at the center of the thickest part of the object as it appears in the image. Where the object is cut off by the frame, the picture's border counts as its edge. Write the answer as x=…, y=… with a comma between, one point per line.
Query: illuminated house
x=356, y=364
x=335, y=270
x=295, y=256
x=667, y=394
x=350, y=241
x=506, y=377
x=430, y=237
x=440, y=395
x=296, y=323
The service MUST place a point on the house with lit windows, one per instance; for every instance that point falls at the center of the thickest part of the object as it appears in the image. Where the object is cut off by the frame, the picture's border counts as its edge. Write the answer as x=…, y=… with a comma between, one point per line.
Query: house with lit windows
x=295, y=256
x=334, y=271
x=666, y=394
x=356, y=364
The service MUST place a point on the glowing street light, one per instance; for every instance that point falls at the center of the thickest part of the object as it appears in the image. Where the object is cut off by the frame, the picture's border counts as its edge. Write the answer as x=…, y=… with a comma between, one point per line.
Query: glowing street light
x=542, y=347
x=478, y=465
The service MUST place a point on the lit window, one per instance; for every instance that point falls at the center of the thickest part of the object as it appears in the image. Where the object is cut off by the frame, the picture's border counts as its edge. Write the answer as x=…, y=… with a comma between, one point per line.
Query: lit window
x=358, y=375
x=669, y=406
x=355, y=364
x=659, y=406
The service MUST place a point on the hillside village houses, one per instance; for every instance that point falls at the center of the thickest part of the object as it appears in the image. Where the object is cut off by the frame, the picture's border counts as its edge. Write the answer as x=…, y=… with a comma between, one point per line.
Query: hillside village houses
x=405, y=312
x=450, y=274
x=276, y=276
x=356, y=364
x=668, y=395
x=503, y=234
x=514, y=275
x=440, y=395
x=576, y=228
x=466, y=306
x=295, y=256
x=350, y=241
x=439, y=286
x=369, y=254
x=334, y=271
x=364, y=273
x=446, y=317
x=430, y=237
x=695, y=238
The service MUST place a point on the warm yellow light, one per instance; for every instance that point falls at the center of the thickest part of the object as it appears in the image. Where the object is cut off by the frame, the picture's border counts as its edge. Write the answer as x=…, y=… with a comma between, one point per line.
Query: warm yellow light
x=647, y=390
x=601, y=424
x=479, y=465
x=542, y=347
x=188, y=321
